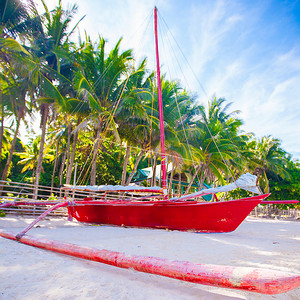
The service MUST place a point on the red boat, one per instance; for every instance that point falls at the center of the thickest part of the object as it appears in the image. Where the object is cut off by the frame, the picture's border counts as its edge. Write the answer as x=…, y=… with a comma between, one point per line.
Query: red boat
x=181, y=215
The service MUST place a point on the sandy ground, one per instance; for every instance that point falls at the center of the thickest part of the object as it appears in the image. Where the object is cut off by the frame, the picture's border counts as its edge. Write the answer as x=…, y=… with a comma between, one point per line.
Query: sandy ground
x=31, y=273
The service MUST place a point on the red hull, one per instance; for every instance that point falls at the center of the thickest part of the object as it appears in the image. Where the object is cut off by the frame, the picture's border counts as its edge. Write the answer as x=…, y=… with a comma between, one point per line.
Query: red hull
x=185, y=215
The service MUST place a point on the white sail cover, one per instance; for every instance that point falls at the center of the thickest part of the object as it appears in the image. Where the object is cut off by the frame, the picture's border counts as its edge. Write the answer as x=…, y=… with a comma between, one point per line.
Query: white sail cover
x=114, y=188
x=246, y=182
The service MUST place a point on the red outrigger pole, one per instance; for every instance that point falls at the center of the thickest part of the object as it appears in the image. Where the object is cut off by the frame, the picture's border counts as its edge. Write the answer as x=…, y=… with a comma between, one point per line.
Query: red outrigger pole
x=242, y=278
x=160, y=108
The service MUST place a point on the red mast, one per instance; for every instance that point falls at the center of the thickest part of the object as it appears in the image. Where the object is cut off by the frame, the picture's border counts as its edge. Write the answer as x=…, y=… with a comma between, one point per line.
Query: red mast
x=160, y=108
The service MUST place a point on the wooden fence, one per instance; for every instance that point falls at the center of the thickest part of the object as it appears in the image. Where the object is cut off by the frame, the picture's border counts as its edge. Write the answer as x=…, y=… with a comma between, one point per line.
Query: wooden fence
x=272, y=211
x=26, y=192
x=17, y=191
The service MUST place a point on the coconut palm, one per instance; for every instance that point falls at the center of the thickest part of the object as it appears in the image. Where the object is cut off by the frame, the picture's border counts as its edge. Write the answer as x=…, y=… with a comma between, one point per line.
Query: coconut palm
x=212, y=147
x=269, y=157
x=20, y=78
x=15, y=18
x=218, y=111
x=176, y=104
x=98, y=81
x=4, y=102
x=18, y=70
x=50, y=42
x=131, y=114
x=30, y=156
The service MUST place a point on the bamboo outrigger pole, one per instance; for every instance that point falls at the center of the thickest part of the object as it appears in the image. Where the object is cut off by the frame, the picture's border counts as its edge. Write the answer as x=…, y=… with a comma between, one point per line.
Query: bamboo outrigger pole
x=256, y=280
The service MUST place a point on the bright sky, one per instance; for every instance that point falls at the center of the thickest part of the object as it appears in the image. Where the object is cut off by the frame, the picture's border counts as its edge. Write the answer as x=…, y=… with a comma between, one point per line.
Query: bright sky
x=245, y=51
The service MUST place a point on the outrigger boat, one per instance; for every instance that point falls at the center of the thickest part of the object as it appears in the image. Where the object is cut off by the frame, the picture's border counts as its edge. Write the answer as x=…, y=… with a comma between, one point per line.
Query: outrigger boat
x=183, y=213
x=176, y=214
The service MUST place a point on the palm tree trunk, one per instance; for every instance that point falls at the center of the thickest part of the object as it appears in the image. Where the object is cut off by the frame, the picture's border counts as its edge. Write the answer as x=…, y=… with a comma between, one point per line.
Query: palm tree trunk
x=69, y=144
x=94, y=160
x=1, y=129
x=193, y=178
x=179, y=185
x=71, y=163
x=267, y=187
x=62, y=166
x=61, y=170
x=203, y=177
x=126, y=158
x=153, y=183
x=171, y=180
x=135, y=166
x=44, y=117
x=12, y=149
x=55, y=165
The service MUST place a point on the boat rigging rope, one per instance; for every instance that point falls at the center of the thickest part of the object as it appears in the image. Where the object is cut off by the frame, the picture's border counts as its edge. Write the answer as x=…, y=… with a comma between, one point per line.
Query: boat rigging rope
x=204, y=91
x=115, y=107
x=106, y=128
x=175, y=93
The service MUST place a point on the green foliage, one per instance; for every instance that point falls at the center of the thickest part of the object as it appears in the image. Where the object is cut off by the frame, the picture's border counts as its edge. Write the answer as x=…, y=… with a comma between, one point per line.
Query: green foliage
x=287, y=188
x=109, y=169
x=281, y=189
x=237, y=194
x=4, y=156
x=46, y=175
x=108, y=166
x=15, y=170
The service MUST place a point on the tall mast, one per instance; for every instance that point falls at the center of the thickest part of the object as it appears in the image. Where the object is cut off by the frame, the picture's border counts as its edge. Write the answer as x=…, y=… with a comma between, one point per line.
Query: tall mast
x=160, y=108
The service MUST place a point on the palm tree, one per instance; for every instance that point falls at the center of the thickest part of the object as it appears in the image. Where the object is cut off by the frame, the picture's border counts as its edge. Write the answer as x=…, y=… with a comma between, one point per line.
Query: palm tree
x=30, y=156
x=19, y=81
x=4, y=103
x=15, y=19
x=212, y=147
x=269, y=157
x=18, y=70
x=177, y=103
x=77, y=110
x=131, y=114
x=143, y=130
x=98, y=82
x=48, y=45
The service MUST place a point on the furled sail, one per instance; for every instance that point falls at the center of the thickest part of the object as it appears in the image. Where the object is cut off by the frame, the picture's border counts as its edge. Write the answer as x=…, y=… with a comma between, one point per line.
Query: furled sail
x=246, y=182
x=114, y=188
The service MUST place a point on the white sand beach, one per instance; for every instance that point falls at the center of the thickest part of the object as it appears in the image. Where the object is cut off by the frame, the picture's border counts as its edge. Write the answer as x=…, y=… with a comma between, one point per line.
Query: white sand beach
x=31, y=273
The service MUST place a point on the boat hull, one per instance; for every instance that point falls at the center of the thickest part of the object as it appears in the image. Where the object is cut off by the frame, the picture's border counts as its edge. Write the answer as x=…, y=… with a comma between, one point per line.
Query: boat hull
x=186, y=215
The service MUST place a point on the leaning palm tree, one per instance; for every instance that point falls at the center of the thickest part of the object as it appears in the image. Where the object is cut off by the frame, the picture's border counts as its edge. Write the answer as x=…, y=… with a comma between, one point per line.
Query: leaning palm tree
x=18, y=70
x=20, y=81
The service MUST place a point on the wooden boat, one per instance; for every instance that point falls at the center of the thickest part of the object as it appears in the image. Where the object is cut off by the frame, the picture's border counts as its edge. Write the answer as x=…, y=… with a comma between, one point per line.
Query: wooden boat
x=174, y=214
x=181, y=215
